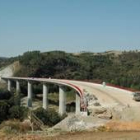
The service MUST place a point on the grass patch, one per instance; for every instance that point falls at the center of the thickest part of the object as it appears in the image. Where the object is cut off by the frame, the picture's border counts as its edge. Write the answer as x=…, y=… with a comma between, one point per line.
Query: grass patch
x=15, y=127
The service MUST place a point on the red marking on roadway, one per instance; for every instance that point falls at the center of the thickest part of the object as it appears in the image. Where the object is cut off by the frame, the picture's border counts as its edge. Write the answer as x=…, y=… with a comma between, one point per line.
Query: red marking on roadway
x=81, y=93
x=108, y=84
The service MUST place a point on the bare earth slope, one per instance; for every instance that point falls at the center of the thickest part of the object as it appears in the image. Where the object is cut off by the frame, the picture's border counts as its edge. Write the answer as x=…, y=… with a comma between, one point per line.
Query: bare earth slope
x=9, y=70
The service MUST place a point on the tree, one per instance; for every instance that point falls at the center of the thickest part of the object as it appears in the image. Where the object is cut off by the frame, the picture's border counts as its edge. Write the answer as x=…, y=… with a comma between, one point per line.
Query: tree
x=17, y=112
x=48, y=117
x=3, y=110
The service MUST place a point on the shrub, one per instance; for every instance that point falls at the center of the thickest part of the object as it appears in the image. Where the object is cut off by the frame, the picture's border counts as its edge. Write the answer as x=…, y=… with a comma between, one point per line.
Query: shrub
x=17, y=112
x=48, y=117
x=9, y=108
x=5, y=94
x=3, y=110
x=42, y=114
x=54, y=117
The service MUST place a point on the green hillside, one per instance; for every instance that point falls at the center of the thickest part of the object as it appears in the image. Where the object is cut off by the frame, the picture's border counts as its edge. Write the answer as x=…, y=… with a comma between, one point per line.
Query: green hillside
x=122, y=69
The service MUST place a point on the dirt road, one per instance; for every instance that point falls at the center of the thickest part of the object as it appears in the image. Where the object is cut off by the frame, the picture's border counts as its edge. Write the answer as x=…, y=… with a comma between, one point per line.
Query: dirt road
x=79, y=136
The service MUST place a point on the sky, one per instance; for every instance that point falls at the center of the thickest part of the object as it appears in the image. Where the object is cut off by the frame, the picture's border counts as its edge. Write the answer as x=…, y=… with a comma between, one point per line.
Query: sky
x=68, y=25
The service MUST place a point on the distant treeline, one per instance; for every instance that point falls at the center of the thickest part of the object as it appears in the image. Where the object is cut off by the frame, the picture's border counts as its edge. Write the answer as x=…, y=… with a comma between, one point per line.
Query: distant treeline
x=122, y=69
x=6, y=61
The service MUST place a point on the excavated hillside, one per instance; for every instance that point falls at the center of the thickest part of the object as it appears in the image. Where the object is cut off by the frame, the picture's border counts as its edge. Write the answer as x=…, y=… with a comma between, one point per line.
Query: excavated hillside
x=9, y=70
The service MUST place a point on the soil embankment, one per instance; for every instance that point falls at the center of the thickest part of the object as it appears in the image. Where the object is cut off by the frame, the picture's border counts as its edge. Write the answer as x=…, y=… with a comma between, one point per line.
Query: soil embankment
x=9, y=70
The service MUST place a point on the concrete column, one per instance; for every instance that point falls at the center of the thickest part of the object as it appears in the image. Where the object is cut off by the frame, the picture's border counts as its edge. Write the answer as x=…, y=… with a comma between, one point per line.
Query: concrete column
x=17, y=86
x=45, y=96
x=18, y=92
x=62, y=100
x=77, y=104
x=29, y=98
x=9, y=85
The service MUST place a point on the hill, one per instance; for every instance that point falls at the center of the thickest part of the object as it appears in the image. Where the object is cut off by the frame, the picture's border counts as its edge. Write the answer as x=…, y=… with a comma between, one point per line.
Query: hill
x=119, y=68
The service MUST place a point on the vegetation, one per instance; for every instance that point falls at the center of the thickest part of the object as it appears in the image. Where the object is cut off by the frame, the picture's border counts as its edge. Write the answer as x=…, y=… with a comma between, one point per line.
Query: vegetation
x=17, y=112
x=122, y=70
x=9, y=107
x=48, y=117
x=3, y=62
x=5, y=94
x=6, y=61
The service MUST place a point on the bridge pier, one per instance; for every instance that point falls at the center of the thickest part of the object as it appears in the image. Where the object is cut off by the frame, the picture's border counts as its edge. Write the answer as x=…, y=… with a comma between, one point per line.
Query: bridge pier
x=17, y=86
x=62, y=100
x=77, y=104
x=45, y=96
x=29, y=98
x=9, y=85
x=62, y=95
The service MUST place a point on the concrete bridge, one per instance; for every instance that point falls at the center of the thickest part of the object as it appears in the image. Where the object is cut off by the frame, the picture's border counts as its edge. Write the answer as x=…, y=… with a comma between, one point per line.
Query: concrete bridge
x=80, y=104
x=107, y=96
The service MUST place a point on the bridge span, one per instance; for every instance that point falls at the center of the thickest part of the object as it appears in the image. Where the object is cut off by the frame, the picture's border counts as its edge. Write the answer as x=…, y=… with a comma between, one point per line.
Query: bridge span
x=80, y=104
x=106, y=95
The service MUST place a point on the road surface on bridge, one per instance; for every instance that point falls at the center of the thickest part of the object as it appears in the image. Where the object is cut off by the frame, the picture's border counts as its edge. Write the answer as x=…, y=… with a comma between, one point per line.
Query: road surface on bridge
x=107, y=96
